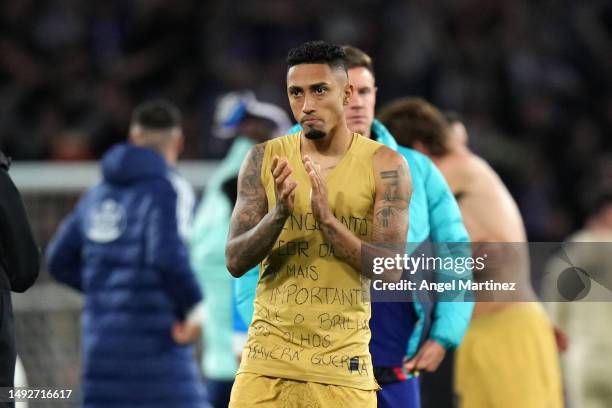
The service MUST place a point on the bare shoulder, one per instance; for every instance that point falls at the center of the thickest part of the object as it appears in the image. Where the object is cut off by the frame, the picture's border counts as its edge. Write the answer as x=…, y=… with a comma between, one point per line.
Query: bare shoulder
x=478, y=164
x=479, y=170
x=392, y=197
x=464, y=170
x=491, y=212
x=251, y=204
x=385, y=157
x=390, y=168
x=255, y=155
x=250, y=170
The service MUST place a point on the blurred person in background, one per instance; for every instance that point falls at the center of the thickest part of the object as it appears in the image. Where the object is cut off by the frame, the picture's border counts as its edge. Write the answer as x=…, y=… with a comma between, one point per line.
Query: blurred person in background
x=437, y=387
x=587, y=362
x=19, y=266
x=239, y=115
x=124, y=248
x=509, y=355
x=425, y=331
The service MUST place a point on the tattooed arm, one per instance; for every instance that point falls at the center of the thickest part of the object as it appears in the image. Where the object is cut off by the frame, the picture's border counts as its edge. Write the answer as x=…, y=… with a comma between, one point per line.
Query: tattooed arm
x=254, y=229
x=393, y=191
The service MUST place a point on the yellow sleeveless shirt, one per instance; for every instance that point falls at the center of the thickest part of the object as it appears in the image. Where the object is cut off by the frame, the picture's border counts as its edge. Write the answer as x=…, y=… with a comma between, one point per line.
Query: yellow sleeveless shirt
x=312, y=310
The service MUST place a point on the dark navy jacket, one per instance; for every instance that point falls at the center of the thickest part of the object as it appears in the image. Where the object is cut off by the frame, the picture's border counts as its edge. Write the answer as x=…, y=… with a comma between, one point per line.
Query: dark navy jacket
x=19, y=265
x=122, y=249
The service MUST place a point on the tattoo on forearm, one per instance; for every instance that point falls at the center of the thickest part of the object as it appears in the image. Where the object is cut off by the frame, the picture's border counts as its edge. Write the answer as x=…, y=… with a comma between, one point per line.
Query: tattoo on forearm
x=254, y=244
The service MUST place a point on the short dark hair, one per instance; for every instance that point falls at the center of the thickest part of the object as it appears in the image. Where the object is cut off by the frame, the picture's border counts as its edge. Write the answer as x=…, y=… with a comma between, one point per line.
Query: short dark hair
x=356, y=58
x=317, y=52
x=157, y=114
x=413, y=119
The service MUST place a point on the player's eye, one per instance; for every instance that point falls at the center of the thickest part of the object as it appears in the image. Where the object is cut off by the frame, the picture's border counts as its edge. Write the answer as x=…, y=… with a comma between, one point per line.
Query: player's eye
x=295, y=92
x=320, y=90
x=365, y=91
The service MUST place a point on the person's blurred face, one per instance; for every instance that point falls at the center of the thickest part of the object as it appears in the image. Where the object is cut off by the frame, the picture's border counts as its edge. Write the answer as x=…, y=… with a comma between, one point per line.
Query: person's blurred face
x=317, y=95
x=360, y=110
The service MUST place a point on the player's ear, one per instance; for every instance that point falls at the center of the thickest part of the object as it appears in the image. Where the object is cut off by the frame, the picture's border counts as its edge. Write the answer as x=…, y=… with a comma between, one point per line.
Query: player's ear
x=179, y=143
x=348, y=92
x=135, y=136
x=420, y=147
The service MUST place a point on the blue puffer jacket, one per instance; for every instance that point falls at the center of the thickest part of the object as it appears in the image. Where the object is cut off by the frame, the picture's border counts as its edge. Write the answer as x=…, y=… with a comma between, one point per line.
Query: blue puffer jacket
x=435, y=218
x=122, y=249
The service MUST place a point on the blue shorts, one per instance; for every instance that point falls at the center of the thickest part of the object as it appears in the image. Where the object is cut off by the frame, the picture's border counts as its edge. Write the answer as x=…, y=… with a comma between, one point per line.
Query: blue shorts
x=403, y=394
x=219, y=392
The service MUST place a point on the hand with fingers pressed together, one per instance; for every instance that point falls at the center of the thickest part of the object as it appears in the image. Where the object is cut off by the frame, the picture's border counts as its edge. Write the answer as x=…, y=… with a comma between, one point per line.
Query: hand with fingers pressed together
x=428, y=358
x=284, y=185
x=318, y=192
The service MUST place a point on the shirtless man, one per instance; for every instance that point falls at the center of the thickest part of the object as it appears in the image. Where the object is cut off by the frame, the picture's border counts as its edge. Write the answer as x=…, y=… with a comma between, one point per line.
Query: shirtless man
x=508, y=357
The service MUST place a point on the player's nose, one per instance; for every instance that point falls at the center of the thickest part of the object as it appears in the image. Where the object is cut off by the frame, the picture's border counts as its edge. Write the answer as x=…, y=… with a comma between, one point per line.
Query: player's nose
x=309, y=105
x=355, y=102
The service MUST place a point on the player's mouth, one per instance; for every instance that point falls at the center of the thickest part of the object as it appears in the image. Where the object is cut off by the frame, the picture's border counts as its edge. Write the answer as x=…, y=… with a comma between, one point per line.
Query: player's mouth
x=358, y=118
x=309, y=121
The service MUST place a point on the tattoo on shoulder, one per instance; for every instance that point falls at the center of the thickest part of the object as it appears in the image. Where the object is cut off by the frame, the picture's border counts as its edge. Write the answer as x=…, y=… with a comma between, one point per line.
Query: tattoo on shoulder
x=391, y=180
x=252, y=204
x=389, y=174
x=393, y=197
x=251, y=178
